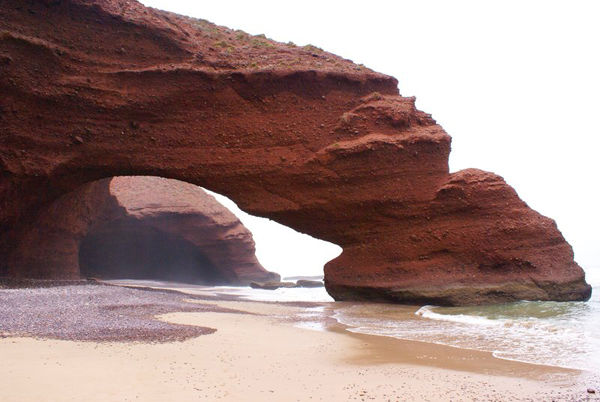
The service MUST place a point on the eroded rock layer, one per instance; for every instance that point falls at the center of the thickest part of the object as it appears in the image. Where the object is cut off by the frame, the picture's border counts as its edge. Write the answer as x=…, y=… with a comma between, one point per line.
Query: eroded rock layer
x=138, y=228
x=93, y=88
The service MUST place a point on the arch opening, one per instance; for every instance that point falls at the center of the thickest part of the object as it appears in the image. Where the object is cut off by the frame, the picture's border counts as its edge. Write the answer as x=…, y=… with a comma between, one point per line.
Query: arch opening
x=292, y=254
x=154, y=228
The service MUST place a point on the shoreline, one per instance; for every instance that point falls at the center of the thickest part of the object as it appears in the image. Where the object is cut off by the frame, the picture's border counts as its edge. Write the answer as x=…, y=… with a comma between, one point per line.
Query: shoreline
x=335, y=325
x=483, y=354
x=259, y=352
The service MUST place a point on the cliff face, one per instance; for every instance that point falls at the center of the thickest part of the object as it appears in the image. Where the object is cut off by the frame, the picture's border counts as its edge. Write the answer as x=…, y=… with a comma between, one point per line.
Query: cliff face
x=94, y=89
x=138, y=227
x=475, y=242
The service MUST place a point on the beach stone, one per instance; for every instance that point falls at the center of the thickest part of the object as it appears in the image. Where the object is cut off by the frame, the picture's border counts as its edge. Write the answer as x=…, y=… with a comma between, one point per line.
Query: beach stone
x=305, y=283
x=92, y=312
x=591, y=391
x=319, y=144
x=272, y=285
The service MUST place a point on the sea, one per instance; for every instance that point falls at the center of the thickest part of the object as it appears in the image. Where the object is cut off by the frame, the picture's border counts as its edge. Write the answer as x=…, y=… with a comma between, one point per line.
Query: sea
x=560, y=334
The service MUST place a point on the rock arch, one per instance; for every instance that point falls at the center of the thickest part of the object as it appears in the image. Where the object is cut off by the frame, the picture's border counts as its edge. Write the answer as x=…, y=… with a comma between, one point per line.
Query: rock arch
x=100, y=88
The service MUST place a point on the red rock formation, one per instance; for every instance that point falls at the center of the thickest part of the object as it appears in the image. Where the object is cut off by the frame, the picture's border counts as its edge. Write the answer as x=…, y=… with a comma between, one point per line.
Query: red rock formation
x=475, y=242
x=93, y=89
x=138, y=227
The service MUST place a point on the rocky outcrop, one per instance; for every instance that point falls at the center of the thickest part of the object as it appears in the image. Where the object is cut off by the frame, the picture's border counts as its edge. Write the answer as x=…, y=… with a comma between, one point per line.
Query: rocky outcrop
x=138, y=227
x=100, y=88
x=304, y=283
x=272, y=285
x=475, y=242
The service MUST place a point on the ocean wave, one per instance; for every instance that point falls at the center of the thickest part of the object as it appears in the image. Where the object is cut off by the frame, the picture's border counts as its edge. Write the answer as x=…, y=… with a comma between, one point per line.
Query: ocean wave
x=427, y=312
x=530, y=325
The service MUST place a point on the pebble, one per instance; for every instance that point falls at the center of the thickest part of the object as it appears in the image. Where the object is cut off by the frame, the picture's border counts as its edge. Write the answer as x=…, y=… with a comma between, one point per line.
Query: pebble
x=93, y=312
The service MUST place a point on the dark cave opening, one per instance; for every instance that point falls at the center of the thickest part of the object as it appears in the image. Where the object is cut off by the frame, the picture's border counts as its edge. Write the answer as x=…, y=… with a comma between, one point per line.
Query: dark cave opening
x=146, y=253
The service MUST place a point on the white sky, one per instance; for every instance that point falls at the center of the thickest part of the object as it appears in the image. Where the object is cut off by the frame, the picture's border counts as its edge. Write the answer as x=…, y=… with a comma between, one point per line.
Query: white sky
x=282, y=249
x=515, y=83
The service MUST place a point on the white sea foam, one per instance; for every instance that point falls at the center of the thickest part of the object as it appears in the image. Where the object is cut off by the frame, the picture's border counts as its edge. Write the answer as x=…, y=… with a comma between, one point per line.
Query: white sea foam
x=285, y=294
x=312, y=325
x=427, y=312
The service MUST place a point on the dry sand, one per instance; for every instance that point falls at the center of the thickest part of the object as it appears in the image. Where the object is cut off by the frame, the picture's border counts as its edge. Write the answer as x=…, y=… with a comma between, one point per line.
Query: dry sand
x=265, y=356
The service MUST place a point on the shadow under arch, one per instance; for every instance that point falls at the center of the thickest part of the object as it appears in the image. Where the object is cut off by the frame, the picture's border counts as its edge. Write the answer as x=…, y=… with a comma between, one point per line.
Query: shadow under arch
x=138, y=251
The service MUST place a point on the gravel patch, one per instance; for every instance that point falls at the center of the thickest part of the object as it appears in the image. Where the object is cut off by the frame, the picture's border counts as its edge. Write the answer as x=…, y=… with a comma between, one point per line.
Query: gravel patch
x=91, y=312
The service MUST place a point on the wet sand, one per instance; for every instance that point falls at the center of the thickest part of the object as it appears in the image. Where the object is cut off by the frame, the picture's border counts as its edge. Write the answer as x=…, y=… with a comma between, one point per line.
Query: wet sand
x=260, y=353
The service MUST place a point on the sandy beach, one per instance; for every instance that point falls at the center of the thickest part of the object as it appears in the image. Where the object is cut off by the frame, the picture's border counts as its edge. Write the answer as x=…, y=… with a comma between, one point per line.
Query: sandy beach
x=264, y=351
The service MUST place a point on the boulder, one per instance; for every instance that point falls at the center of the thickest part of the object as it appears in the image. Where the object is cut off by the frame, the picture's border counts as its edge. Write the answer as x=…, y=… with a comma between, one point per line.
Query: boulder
x=304, y=283
x=272, y=285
